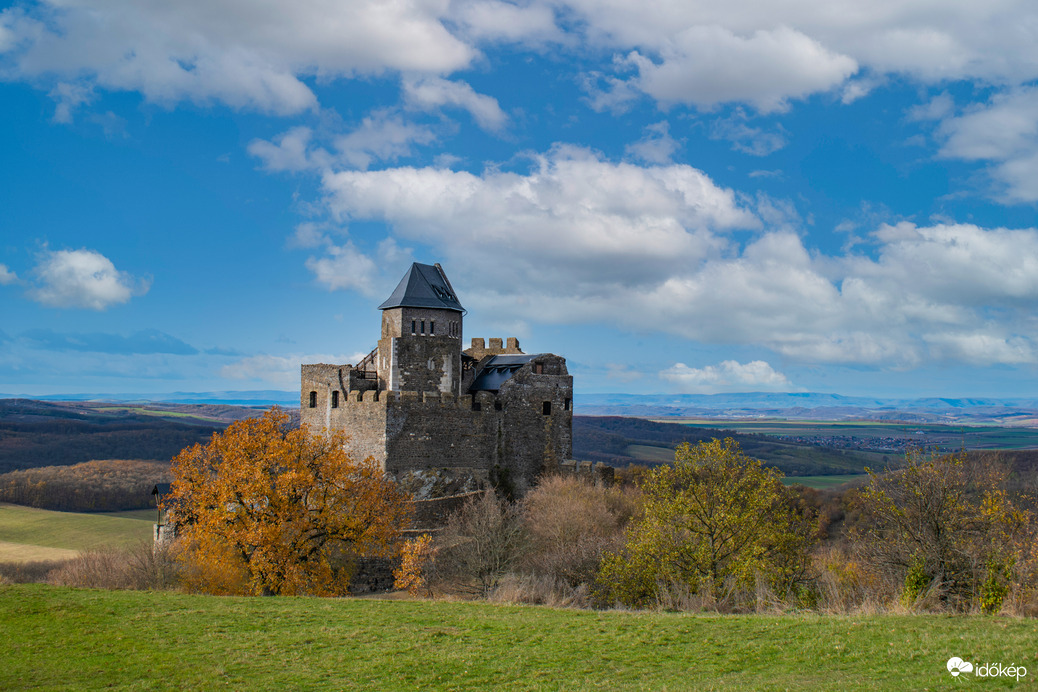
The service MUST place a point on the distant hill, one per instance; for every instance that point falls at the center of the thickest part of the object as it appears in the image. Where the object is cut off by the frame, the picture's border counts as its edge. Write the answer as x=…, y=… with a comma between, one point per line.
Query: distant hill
x=812, y=406
x=44, y=433
x=610, y=439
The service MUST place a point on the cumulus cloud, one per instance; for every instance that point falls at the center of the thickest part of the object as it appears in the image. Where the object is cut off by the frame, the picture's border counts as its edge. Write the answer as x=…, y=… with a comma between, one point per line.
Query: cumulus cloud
x=7, y=276
x=708, y=65
x=344, y=267
x=82, y=279
x=696, y=52
x=493, y=20
x=574, y=214
x=657, y=146
x=380, y=136
x=746, y=138
x=252, y=57
x=1003, y=131
x=578, y=238
x=727, y=376
x=430, y=93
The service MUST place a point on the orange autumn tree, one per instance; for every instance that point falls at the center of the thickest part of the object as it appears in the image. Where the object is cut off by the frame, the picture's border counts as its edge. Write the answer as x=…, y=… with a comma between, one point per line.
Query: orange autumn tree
x=265, y=509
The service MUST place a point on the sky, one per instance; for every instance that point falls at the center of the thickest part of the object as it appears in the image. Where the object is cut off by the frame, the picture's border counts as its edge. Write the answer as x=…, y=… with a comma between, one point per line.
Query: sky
x=677, y=196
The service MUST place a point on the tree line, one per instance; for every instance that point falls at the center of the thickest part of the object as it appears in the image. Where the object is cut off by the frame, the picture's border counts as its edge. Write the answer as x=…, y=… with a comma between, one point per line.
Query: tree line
x=267, y=508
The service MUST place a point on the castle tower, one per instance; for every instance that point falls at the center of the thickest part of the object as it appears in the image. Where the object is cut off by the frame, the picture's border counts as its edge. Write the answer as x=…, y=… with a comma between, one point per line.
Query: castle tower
x=420, y=348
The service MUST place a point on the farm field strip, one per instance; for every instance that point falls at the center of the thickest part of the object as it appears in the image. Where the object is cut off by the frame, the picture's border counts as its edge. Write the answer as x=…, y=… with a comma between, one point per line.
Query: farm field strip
x=68, y=530
x=972, y=437
x=20, y=552
x=59, y=638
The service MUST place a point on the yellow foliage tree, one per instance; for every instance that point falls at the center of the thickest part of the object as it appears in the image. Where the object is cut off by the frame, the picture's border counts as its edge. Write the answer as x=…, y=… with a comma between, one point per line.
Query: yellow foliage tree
x=944, y=525
x=714, y=522
x=265, y=509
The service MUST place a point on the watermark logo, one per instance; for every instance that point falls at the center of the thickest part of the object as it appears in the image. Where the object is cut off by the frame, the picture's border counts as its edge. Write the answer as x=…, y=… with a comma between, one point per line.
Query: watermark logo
x=956, y=666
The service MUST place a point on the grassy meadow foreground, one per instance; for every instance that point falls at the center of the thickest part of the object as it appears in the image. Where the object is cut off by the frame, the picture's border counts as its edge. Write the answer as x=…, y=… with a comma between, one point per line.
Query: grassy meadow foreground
x=60, y=638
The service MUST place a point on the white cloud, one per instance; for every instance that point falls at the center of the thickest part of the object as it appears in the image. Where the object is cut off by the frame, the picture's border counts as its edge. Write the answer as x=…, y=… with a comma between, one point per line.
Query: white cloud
x=69, y=97
x=573, y=215
x=727, y=376
x=708, y=65
x=7, y=276
x=698, y=52
x=428, y=93
x=381, y=136
x=744, y=138
x=579, y=238
x=82, y=279
x=657, y=146
x=530, y=23
x=343, y=267
x=249, y=56
x=289, y=152
x=1004, y=131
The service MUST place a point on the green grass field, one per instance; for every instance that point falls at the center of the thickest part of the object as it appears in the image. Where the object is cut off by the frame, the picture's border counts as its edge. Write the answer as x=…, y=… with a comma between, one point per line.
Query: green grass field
x=140, y=410
x=58, y=638
x=26, y=533
x=666, y=455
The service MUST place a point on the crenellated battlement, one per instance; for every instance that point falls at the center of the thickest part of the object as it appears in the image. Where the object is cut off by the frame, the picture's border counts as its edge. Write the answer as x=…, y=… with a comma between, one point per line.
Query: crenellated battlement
x=479, y=401
x=480, y=347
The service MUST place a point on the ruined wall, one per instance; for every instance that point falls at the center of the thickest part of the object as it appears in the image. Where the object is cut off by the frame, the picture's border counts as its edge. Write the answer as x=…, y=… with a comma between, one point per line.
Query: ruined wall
x=508, y=438
x=361, y=414
x=538, y=408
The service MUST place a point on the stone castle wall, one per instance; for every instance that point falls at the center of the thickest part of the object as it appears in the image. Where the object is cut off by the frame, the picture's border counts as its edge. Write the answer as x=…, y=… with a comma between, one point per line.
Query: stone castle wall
x=512, y=436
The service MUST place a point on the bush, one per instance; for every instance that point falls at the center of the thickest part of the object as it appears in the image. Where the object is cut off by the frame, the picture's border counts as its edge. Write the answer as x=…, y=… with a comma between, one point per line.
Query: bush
x=482, y=542
x=35, y=572
x=946, y=529
x=145, y=566
x=572, y=524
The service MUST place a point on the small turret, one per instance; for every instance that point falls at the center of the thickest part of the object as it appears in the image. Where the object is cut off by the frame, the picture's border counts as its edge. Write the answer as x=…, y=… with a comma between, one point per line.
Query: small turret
x=420, y=348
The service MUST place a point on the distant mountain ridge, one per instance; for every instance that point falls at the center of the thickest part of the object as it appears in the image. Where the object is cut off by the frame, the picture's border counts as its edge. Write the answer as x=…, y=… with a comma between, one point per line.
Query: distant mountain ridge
x=812, y=406
x=795, y=405
x=259, y=397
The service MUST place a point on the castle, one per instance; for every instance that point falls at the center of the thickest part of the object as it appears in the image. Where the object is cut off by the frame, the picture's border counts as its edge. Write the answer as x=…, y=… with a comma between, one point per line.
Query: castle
x=433, y=414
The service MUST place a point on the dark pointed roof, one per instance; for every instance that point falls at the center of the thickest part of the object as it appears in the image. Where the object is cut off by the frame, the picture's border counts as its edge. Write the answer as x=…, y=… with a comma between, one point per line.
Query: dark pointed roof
x=424, y=286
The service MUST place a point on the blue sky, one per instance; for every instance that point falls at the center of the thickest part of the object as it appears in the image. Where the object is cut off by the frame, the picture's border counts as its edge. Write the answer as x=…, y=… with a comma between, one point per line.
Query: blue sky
x=677, y=196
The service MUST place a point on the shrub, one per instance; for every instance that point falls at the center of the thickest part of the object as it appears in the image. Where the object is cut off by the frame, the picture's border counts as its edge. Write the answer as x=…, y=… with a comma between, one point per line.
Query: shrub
x=945, y=527
x=572, y=524
x=145, y=566
x=481, y=543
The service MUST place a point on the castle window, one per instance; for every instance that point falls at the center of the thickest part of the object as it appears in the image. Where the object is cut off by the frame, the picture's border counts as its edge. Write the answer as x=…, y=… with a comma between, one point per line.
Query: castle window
x=432, y=327
x=335, y=399
x=569, y=404
x=546, y=408
x=423, y=327
x=497, y=405
x=412, y=328
x=313, y=399
x=538, y=368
